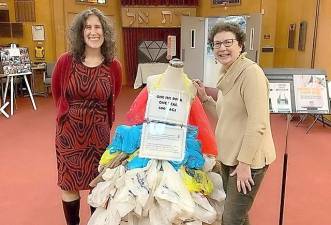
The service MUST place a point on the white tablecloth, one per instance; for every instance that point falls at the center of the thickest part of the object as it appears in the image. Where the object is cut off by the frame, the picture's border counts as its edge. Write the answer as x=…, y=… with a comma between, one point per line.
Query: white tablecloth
x=147, y=69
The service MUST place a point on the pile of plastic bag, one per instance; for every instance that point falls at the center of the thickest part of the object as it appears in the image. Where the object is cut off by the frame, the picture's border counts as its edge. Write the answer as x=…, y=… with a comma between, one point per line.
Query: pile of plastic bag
x=139, y=191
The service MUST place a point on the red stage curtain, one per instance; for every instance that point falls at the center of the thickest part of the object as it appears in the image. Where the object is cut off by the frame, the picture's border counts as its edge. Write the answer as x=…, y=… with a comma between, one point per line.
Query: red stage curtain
x=133, y=37
x=160, y=2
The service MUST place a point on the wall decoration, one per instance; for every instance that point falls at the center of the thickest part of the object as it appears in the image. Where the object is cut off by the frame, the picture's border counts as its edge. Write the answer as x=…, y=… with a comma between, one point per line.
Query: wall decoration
x=102, y=2
x=225, y=2
x=38, y=33
x=152, y=52
x=154, y=16
x=302, y=35
x=291, y=35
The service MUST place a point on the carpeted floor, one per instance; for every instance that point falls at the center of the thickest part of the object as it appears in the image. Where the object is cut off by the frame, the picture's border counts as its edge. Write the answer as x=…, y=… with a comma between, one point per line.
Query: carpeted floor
x=29, y=195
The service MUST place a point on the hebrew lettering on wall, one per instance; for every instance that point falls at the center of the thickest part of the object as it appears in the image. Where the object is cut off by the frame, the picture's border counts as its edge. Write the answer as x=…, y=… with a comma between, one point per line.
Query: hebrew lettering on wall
x=166, y=14
x=131, y=15
x=154, y=16
x=143, y=17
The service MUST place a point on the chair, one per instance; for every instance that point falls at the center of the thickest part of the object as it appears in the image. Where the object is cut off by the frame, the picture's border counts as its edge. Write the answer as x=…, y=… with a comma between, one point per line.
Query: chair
x=48, y=77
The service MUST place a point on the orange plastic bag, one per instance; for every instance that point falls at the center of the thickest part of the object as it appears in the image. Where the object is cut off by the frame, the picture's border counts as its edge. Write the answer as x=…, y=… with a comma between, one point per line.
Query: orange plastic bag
x=197, y=118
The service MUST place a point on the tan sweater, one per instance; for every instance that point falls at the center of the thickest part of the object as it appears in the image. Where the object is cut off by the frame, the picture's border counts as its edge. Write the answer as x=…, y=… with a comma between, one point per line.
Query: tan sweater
x=243, y=128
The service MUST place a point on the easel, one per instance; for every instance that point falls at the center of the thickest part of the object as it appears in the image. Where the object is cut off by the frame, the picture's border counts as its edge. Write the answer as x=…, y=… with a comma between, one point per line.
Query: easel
x=285, y=157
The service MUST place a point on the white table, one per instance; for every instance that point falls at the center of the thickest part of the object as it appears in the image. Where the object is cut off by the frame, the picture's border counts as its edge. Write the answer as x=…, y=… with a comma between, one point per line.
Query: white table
x=10, y=78
x=147, y=69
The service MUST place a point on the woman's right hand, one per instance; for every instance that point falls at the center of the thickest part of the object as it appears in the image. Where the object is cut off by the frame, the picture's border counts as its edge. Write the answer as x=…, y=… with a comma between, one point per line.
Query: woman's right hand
x=201, y=89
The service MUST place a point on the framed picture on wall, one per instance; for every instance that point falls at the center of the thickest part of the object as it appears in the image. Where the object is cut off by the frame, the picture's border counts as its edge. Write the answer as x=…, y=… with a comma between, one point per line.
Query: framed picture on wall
x=102, y=2
x=291, y=35
x=302, y=35
x=224, y=2
x=38, y=33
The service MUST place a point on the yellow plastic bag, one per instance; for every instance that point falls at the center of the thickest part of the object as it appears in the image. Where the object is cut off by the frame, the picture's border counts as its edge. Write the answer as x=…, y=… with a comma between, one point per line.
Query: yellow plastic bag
x=196, y=181
x=107, y=157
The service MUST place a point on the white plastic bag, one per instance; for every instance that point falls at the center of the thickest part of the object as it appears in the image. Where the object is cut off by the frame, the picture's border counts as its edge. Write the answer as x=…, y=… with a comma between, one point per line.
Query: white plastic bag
x=218, y=193
x=203, y=211
x=99, y=217
x=210, y=162
x=172, y=189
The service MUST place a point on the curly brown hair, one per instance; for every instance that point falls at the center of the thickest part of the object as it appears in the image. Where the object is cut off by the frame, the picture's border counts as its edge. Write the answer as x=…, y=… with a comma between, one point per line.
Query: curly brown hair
x=228, y=27
x=76, y=38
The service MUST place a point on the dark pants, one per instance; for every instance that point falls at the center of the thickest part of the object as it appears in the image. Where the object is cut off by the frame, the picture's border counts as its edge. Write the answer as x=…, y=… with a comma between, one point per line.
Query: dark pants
x=237, y=204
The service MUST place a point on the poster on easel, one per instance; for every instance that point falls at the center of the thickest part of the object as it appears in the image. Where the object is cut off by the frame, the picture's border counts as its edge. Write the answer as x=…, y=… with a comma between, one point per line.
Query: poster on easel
x=15, y=60
x=280, y=98
x=311, y=94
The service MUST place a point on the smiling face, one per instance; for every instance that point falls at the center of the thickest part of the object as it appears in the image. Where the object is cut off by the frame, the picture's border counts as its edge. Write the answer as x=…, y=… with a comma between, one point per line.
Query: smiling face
x=93, y=33
x=226, y=55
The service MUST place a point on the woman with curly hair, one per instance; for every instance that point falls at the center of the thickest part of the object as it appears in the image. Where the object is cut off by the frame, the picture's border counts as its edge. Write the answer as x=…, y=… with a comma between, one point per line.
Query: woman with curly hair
x=243, y=132
x=85, y=84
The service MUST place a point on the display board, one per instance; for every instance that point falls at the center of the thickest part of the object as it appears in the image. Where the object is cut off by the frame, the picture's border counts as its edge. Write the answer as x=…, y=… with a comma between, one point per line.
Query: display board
x=15, y=60
x=294, y=90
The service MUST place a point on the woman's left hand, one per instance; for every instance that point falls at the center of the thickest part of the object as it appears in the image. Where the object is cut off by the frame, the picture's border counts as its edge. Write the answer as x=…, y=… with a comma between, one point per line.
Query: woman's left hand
x=244, y=177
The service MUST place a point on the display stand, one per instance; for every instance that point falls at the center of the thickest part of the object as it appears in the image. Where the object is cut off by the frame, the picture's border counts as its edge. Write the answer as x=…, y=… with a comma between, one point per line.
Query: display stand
x=15, y=62
x=300, y=92
x=2, y=109
x=284, y=174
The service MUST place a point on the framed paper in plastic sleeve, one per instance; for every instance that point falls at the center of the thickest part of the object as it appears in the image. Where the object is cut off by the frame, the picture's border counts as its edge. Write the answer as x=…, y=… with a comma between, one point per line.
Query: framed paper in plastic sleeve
x=164, y=132
x=38, y=33
x=162, y=141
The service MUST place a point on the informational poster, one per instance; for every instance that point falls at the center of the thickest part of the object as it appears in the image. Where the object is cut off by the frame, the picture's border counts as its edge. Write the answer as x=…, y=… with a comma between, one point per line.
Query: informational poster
x=15, y=60
x=311, y=93
x=163, y=141
x=38, y=33
x=164, y=132
x=280, y=98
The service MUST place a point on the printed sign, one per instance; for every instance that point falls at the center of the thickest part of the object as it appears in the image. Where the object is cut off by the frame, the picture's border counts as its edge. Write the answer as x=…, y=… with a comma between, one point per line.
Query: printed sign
x=162, y=141
x=280, y=98
x=168, y=106
x=311, y=93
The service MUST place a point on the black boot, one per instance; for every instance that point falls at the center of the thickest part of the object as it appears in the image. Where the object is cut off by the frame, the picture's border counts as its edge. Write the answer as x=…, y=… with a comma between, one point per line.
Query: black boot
x=71, y=212
x=92, y=210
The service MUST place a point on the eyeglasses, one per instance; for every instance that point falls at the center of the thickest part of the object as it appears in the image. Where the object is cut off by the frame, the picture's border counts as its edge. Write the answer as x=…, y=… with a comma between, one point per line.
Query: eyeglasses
x=227, y=43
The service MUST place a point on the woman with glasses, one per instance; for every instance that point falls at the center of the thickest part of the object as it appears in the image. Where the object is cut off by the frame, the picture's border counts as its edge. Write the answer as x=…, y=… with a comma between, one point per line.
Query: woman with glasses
x=243, y=131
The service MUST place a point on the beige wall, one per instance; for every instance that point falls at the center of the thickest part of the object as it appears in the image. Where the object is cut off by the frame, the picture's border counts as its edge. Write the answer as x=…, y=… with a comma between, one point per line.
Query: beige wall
x=293, y=12
x=323, y=46
x=206, y=9
x=55, y=15
x=268, y=30
x=43, y=10
x=64, y=11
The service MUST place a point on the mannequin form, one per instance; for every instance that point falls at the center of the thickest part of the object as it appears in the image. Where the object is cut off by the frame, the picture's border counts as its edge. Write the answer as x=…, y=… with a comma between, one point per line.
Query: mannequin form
x=173, y=78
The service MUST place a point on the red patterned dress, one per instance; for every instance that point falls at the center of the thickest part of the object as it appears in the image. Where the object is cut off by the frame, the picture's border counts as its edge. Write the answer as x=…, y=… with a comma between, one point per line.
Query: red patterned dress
x=84, y=131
